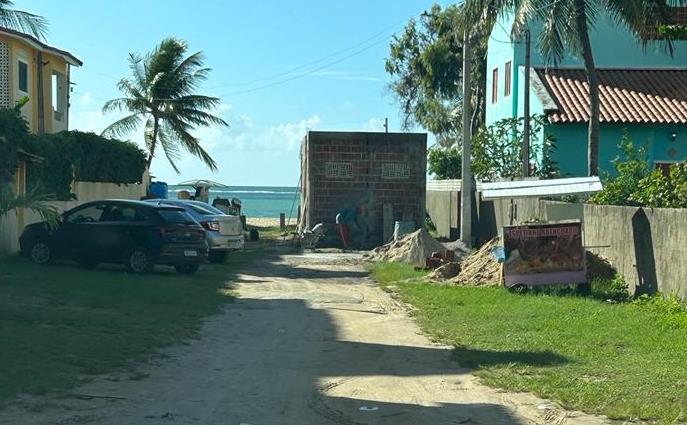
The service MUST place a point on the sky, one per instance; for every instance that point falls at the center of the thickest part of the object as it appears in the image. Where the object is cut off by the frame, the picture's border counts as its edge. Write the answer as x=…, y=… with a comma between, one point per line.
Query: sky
x=280, y=68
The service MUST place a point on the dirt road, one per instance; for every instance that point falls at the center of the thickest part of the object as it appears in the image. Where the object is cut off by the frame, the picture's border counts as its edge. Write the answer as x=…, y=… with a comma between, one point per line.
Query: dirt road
x=311, y=340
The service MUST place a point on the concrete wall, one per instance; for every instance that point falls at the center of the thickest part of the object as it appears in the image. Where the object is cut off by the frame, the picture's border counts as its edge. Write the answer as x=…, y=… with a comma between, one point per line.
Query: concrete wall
x=647, y=246
x=13, y=224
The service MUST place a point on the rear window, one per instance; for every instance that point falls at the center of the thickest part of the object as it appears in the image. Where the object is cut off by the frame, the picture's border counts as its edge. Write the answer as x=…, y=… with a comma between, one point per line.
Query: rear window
x=175, y=216
x=201, y=210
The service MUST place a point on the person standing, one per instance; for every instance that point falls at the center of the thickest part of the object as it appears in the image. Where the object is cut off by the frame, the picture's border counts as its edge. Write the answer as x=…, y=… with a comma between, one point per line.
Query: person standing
x=345, y=219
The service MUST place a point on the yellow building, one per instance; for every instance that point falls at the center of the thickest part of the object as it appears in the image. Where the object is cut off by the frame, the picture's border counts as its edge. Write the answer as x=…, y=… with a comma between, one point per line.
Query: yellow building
x=31, y=68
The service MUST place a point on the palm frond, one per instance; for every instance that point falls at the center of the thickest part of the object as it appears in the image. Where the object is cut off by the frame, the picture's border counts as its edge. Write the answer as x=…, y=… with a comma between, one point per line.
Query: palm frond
x=22, y=21
x=190, y=143
x=33, y=200
x=169, y=147
x=123, y=127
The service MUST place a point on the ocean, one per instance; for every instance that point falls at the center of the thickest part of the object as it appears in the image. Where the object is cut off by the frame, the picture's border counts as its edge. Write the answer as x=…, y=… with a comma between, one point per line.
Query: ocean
x=256, y=201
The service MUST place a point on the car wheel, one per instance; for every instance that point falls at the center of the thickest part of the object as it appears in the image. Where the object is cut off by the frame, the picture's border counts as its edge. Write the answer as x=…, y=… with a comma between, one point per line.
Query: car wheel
x=217, y=257
x=40, y=253
x=139, y=261
x=187, y=268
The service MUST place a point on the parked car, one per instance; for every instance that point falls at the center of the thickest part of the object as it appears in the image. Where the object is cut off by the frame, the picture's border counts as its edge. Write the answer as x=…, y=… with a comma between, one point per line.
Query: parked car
x=224, y=232
x=137, y=234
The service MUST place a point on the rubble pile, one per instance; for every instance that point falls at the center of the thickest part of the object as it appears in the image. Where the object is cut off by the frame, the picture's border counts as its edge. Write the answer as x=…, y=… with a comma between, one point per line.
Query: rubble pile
x=445, y=272
x=480, y=268
x=413, y=248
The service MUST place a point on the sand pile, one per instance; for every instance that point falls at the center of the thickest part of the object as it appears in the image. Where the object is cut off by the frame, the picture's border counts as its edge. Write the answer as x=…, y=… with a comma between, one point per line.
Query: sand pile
x=481, y=267
x=445, y=272
x=413, y=248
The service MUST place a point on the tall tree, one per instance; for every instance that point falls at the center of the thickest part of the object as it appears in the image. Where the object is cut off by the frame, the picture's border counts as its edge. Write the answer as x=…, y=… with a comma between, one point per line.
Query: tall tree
x=565, y=29
x=19, y=20
x=161, y=95
x=425, y=62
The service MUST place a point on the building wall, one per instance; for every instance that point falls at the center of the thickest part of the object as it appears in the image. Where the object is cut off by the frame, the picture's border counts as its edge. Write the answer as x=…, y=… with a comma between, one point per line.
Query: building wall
x=571, y=144
x=346, y=170
x=19, y=50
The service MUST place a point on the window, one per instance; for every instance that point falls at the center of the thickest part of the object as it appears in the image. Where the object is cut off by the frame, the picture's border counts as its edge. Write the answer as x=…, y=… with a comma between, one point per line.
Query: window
x=495, y=85
x=123, y=213
x=175, y=216
x=23, y=74
x=88, y=214
x=507, y=79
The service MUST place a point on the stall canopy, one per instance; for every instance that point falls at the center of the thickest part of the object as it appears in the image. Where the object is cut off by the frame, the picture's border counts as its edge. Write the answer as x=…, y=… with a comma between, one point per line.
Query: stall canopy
x=539, y=188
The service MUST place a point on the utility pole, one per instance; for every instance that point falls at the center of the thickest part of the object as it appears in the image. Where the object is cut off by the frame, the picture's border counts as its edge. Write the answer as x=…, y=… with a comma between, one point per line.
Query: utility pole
x=526, y=111
x=386, y=125
x=466, y=169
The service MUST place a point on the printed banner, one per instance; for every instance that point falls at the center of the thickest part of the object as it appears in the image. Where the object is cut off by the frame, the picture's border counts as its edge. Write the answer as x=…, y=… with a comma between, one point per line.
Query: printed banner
x=544, y=254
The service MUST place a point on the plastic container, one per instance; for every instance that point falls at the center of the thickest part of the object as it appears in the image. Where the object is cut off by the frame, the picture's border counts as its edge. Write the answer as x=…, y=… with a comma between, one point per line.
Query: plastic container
x=159, y=190
x=402, y=228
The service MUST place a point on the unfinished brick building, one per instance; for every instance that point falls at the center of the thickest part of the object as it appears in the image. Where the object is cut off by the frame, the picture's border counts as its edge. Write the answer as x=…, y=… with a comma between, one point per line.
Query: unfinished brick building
x=385, y=173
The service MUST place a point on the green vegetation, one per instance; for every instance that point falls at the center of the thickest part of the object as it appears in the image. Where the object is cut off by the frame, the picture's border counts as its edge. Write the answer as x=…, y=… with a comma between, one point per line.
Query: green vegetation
x=636, y=184
x=622, y=359
x=14, y=134
x=273, y=232
x=673, y=32
x=74, y=155
x=444, y=163
x=61, y=323
x=161, y=97
x=497, y=150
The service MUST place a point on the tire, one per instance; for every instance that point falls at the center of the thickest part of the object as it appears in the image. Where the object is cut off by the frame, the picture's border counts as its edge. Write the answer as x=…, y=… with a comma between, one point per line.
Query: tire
x=40, y=253
x=139, y=261
x=187, y=269
x=217, y=257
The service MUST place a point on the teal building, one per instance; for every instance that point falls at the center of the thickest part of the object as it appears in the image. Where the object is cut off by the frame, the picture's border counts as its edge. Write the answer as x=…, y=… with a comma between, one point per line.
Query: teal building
x=643, y=91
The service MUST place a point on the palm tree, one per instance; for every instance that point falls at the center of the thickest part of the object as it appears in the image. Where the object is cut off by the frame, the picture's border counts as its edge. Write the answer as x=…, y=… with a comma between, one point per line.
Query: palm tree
x=566, y=26
x=22, y=21
x=160, y=95
x=34, y=201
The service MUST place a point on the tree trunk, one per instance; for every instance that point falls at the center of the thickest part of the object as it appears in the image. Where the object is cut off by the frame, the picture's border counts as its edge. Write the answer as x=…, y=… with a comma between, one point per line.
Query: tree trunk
x=592, y=80
x=153, y=143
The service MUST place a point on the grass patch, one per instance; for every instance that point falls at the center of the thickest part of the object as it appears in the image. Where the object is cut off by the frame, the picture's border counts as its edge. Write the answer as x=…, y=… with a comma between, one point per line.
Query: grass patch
x=625, y=360
x=60, y=323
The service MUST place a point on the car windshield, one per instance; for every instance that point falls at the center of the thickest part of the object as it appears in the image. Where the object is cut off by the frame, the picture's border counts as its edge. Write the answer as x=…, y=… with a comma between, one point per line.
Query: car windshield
x=175, y=216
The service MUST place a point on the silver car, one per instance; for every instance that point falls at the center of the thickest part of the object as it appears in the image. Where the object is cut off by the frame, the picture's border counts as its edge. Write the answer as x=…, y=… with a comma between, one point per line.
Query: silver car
x=223, y=233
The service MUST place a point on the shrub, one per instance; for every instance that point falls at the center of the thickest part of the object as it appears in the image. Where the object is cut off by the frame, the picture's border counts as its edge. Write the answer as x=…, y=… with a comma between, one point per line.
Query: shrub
x=74, y=155
x=14, y=133
x=444, y=163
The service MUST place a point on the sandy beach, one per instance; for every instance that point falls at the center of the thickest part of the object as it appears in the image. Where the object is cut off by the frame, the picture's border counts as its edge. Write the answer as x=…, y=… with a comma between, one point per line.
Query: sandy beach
x=268, y=221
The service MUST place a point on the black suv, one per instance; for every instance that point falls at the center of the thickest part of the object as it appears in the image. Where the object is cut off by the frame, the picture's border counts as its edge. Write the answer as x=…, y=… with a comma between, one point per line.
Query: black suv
x=137, y=234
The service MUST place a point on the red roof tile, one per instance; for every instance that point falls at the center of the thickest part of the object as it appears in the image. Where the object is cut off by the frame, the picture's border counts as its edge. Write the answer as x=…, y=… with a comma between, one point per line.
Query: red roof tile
x=626, y=95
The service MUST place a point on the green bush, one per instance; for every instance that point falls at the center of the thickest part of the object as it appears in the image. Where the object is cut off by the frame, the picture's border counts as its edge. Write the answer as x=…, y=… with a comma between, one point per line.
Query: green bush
x=635, y=184
x=444, y=163
x=74, y=155
x=14, y=133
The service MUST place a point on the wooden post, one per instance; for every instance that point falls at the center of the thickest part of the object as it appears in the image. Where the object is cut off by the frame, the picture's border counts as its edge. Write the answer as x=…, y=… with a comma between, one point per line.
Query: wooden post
x=282, y=222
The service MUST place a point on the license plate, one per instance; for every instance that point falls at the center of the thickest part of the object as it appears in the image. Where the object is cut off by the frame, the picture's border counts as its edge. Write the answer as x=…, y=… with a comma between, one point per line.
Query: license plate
x=190, y=253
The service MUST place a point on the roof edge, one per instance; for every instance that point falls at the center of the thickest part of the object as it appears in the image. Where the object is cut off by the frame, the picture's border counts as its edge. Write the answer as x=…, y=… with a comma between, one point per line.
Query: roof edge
x=39, y=45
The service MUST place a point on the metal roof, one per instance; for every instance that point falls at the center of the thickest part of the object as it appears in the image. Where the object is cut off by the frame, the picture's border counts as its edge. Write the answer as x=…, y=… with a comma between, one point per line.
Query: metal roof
x=536, y=188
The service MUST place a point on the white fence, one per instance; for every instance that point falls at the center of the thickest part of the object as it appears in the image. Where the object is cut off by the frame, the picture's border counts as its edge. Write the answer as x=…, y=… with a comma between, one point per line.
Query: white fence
x=12, y=225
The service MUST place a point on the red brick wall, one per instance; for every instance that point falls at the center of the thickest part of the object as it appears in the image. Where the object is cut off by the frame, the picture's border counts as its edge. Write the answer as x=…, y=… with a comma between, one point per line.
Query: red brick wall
x=366, y=153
